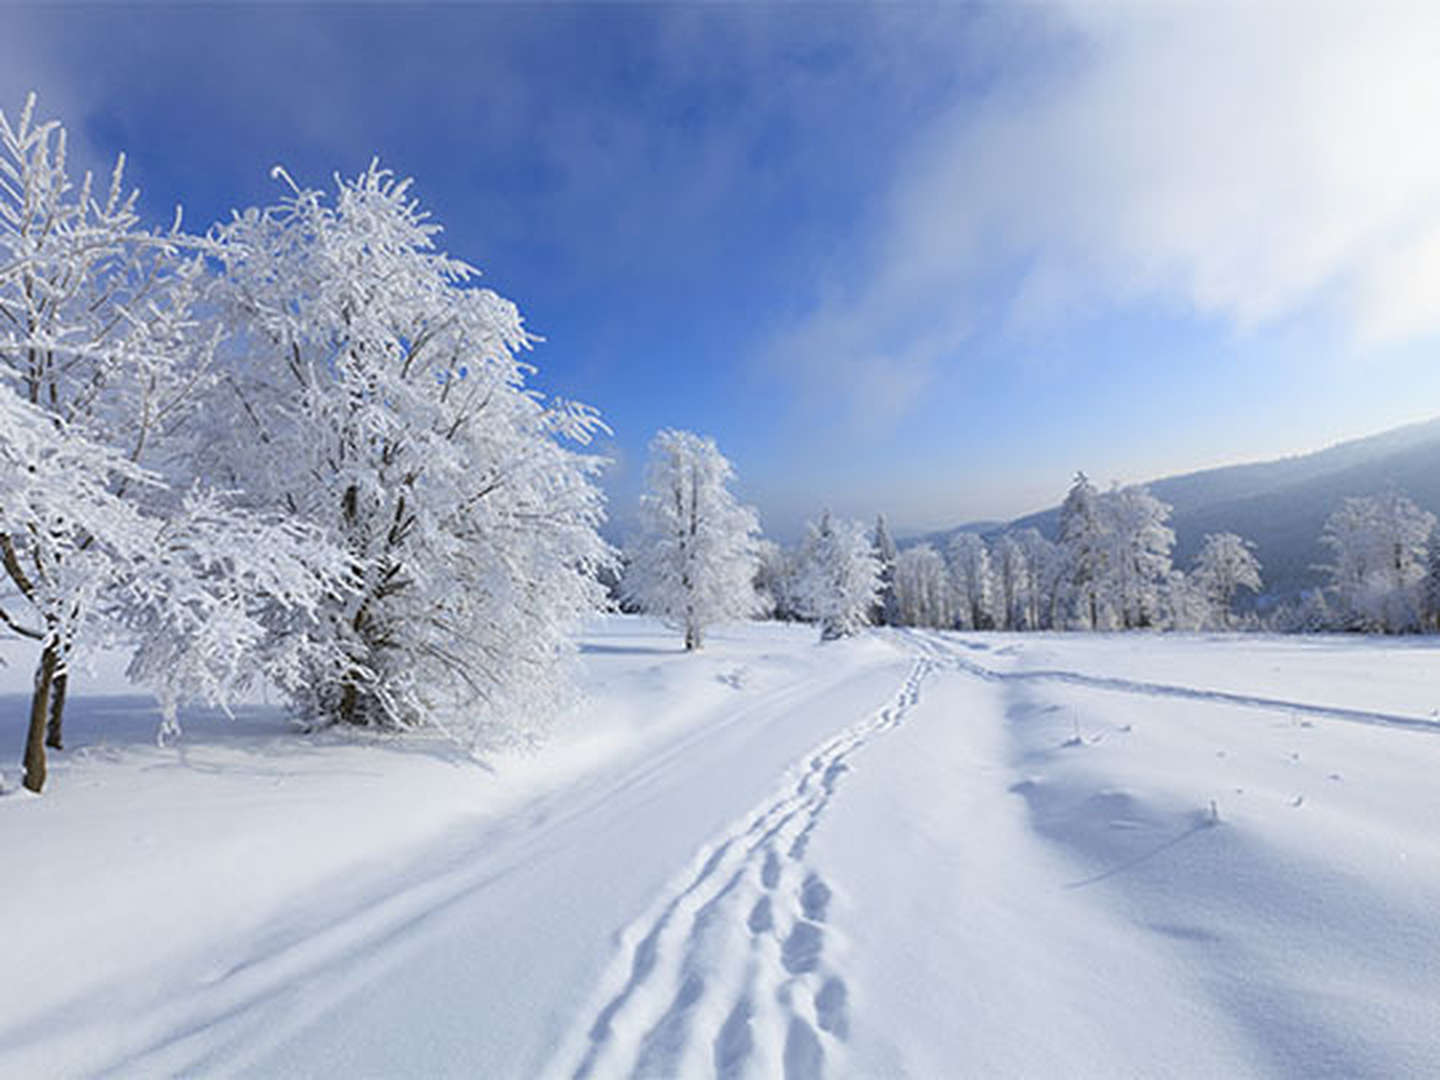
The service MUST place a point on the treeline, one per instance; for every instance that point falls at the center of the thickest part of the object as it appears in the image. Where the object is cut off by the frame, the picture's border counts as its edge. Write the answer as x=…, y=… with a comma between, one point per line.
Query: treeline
x=1110, y=567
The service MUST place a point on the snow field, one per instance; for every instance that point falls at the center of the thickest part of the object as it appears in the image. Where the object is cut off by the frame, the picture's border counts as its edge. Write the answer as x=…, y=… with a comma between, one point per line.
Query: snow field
x=913, y=854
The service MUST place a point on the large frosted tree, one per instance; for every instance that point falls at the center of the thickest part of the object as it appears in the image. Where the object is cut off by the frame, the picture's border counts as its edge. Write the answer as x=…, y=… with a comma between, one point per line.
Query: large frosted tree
x=695, y=560
x=840, y=579
x=375, y=392
x=106, y=533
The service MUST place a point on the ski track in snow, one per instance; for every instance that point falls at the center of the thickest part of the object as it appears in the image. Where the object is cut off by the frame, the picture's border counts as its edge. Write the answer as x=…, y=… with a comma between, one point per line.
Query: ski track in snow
x=944, y=652
x=232, y=1007
x=734, y=969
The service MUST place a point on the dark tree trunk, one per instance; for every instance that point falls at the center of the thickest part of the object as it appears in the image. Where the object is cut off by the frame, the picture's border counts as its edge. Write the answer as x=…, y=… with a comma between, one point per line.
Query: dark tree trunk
x=349, y=699
x=54, y=730
x=39, y=714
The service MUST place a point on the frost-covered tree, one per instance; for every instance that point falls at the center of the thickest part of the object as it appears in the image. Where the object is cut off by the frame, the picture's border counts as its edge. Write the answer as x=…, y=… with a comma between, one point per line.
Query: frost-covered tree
x=777, y=580
x=840, y=579
x=105, y=535
x=374, y=392
x=1083, y=551
x=887, y=610
x=1226, y=564
x=1378, y=544
x=1137, y=544
x=1185, y=604
x=922, y=589
x=1043, y=583
x=1007, y=561
x=970, y=577
x=695, y=561
x=1430, y=587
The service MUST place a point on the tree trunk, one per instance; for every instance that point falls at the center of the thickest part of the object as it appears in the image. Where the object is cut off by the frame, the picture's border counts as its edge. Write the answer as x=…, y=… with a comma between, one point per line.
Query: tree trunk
x=692, y=638
x=39, y=713
x=54, y=730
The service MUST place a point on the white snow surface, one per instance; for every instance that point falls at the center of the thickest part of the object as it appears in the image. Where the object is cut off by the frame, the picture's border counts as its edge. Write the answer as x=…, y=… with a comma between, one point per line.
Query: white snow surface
x=907, y=854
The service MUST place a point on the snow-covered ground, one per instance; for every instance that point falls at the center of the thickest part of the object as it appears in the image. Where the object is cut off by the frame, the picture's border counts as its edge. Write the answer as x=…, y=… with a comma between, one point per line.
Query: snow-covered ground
x=908, y=854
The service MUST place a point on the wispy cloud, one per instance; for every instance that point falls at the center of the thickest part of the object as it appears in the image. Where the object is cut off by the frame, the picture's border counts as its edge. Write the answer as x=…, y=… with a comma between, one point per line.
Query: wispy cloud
x=1237, y=162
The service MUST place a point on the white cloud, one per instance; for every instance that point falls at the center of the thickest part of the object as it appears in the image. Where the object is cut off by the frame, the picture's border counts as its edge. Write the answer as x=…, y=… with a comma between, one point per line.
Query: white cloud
x=1248, y=163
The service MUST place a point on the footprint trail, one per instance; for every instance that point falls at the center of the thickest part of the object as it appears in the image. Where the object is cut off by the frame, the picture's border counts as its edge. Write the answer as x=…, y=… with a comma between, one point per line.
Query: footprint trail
x=734, y=972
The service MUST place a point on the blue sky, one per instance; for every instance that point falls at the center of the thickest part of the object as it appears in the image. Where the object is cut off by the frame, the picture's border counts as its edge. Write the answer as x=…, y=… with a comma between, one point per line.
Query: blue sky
x=921, y=259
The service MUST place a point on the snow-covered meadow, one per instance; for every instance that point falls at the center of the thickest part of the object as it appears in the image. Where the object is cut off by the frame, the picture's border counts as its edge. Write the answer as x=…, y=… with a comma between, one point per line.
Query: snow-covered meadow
x=907, y=853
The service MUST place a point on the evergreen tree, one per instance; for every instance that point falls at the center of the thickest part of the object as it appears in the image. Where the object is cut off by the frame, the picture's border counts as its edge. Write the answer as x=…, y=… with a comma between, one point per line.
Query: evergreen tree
x=887, y=608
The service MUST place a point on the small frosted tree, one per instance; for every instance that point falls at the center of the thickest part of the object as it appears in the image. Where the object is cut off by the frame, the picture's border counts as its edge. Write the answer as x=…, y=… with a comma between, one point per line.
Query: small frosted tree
x=1226, y=564
x=695, y=561
x=1430, y=587
x=1083, y=550
x=776, y=580
x=922, y=588
x=1378, y=545
x=840, y=580
x=1137, y=543
x=973, y=582
x=1042, y=585
x=1012, y=581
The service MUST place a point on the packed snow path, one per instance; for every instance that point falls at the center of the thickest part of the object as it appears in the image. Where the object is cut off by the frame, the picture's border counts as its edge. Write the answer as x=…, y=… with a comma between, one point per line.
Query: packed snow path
x=914, y=854
x=734, y=957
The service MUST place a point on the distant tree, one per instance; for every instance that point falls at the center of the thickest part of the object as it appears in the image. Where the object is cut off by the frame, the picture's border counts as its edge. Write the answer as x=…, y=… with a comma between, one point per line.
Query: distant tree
x=1137, y=544
x=1042, y=585
x=1378, y=545
x=1083, y=550
x=776, y=583
x=887, y=608
x=695, y=561
x=922, y=588
x=970, y=577
x=1430, y=590
x=1226, y=564
x=1007, y=560
x=1184, y=604
x=840, y=579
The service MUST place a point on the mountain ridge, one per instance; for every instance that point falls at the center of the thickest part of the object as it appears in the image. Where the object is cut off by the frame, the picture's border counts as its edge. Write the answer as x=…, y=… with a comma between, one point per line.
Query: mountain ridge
x=1280, y=504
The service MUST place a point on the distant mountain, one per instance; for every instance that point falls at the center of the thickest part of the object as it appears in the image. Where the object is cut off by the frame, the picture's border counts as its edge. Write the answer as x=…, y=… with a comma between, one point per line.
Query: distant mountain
x=1281, y=505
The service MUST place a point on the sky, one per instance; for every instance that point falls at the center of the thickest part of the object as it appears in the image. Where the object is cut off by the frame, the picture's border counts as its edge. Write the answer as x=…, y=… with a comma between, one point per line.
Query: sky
x=926, y=260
